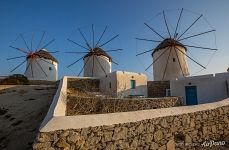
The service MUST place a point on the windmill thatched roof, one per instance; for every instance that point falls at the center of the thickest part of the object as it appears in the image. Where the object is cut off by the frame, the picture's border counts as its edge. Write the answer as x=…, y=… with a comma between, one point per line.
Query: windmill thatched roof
x=98, y=52
x=168, y=43
x=43, y=53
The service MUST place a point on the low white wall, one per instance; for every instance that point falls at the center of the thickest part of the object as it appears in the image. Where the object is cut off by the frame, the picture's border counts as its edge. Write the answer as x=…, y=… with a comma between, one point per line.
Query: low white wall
x=84, y=121
x=56, y=119
x=210, y=88
x=58, y=106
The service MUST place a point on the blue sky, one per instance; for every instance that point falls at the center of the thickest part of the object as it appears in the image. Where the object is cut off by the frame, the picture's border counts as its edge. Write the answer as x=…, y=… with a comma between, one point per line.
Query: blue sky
x=60, y=18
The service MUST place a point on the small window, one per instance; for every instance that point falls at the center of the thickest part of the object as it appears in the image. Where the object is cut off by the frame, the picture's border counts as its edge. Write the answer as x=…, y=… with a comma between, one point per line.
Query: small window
x=50, y=68
x=168, y=92
x=174, y=60
x=110, y=85
x=133, y=84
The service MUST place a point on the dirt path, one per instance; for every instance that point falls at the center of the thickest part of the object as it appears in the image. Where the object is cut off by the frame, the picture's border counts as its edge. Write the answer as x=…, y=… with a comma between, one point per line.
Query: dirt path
x=22, y=109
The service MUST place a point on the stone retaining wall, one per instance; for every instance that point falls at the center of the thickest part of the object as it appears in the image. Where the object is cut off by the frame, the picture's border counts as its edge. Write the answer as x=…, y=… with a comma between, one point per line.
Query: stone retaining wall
x=183, y=131
x=157, y=88
x=83, y=106
x=84, y=84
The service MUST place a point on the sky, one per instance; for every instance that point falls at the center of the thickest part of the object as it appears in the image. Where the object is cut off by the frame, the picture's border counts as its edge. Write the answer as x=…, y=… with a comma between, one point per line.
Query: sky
x=60, y=18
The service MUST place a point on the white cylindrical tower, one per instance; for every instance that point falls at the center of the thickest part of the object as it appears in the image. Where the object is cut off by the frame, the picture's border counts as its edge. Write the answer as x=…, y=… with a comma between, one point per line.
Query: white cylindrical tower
x=97, y=63
x=170, y=60
x=41, y=65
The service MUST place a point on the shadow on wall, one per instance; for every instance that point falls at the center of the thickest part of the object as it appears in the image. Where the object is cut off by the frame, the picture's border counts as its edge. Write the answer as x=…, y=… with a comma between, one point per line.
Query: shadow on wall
x=158, y=88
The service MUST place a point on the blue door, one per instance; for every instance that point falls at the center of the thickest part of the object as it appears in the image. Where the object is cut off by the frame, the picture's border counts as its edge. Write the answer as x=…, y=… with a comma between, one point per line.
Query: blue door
x=191, y=95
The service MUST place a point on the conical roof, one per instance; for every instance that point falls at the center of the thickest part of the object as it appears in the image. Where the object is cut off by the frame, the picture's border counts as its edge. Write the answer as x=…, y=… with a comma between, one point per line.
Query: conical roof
x=43, y=53
x=98, y=52
x=169, y=42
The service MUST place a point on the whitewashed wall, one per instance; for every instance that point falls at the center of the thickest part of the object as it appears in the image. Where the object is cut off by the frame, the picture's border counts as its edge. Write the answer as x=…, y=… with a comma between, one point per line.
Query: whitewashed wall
x=38, y=74
x=173, y=69
x=105, y=81
x=210, y=88
x=97, y=71
x=121, y=84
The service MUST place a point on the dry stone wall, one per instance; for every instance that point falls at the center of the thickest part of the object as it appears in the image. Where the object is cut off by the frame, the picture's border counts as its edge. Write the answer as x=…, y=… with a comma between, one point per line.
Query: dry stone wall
x=184, y=131
x=157, y=88
x=84, y=84
x=90, y=105
x=84, y=98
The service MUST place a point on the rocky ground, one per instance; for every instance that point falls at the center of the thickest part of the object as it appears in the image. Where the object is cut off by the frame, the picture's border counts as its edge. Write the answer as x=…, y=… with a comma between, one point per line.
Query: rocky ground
x=22, y=109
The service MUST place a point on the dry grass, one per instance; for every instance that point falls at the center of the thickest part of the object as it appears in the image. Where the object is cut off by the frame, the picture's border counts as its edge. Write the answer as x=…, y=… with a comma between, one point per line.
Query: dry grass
x=96, y=105
x=77, y=92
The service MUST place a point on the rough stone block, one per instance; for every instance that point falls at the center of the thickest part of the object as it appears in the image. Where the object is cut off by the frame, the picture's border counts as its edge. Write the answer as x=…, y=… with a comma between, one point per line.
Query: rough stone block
x=158, y=135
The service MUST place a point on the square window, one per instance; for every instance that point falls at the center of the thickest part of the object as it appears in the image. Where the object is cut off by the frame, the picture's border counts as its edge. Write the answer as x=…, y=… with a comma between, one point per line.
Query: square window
x=50, y=68
x=174, y=60
x=132, y=84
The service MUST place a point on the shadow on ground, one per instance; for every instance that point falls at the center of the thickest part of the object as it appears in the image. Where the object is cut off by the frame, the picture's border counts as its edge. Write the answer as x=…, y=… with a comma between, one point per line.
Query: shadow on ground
x=22, y=109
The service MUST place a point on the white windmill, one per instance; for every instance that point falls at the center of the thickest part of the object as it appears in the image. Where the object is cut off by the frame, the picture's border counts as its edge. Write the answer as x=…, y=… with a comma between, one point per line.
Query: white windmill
x=41, y=65
x=97, y=61
x=170, y=55
x=173, y=60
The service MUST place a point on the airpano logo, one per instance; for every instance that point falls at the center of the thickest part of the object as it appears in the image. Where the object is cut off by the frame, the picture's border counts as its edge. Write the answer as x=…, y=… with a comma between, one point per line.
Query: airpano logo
x=213, y=143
